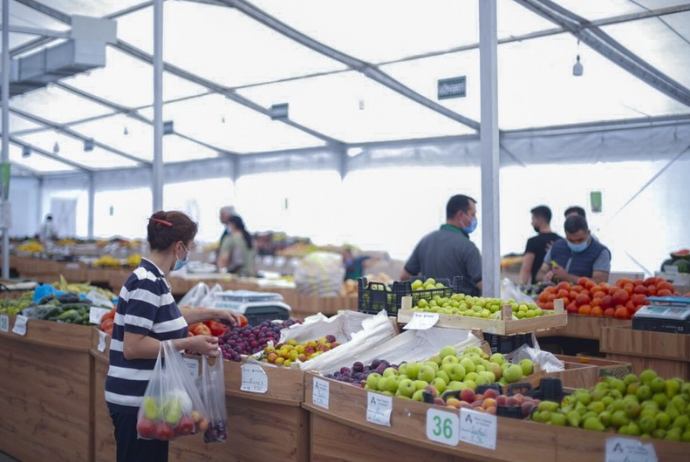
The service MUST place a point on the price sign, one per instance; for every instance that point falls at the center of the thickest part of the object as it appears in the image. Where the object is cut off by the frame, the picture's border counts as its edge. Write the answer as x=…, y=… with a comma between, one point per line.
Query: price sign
x=422, y=321
x=192, y=367
x=96, y=313
x=379, y=408
x=20, y=323
x=443, y=427
x=478, y=428
x=629, y=450
x=101, y=341
x=4, y=323
x=254, y=379
x=321, y=393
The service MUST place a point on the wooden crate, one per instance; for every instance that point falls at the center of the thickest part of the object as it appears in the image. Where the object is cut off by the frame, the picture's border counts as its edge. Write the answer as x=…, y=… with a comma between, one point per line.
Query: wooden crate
x=45, y=392
x=75, y=272
x=503, y=326
x=585, y=327
x=668, y=354
x=582, y=372
x=342, y=433
x=308, y=305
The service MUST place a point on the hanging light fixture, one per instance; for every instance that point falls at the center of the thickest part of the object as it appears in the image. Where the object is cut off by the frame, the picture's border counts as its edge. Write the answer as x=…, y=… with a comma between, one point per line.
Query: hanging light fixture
x=222, y=119
x=578, y=70
x=88, y=145
x=56, y=148
x=125, y=132
x=26, y=152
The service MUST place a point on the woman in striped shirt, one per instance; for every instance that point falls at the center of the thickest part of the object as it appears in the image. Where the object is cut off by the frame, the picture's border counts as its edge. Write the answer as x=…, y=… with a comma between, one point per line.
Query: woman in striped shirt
x=147, y=315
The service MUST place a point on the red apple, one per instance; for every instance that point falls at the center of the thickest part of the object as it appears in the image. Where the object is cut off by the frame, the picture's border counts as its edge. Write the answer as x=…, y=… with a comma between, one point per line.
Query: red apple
x=467, y=395
x=145, y=428
x=185, y=426
x=520, y=398
x=490, y=393
x=163, y=431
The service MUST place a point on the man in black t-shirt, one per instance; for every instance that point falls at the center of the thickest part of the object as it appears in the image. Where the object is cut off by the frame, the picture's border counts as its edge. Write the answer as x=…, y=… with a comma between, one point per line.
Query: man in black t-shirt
x=538, y=245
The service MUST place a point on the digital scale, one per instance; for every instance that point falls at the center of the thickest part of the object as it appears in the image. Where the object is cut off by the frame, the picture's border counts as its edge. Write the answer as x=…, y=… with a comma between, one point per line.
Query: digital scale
x=665, y=314
x=256, y=306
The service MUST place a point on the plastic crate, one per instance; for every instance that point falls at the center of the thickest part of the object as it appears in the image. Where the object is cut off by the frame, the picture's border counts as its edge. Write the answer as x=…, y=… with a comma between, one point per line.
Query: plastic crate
x=507, y=343
x=372, y=297
x=258, y=314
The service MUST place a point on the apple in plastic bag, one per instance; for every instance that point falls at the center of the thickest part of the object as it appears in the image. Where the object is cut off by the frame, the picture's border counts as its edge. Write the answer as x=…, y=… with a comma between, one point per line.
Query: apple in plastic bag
x=145, y=428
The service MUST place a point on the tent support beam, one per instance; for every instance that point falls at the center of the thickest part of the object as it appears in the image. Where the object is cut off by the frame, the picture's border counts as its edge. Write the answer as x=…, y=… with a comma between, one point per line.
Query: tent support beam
x=5, y=130
x=609, y=48
x=92, y=206
x=45, y=153
x=158, y=170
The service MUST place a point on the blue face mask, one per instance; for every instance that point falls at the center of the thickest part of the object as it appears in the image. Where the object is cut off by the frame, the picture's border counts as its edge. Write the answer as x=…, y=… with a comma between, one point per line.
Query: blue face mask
x=180, y=263
x=473, y=225
x=577, y=248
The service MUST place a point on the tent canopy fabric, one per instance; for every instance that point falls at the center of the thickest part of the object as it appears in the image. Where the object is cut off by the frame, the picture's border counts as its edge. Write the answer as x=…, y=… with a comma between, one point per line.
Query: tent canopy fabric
x=355, y=74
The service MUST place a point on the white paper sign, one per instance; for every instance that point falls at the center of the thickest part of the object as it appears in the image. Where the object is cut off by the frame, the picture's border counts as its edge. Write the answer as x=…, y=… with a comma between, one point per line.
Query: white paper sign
x=254, y=379
x=4, y=323
x=443, y=427
x=96, y=313
x=101, y=341
x=379, y=408
x=20, y=325
x=193, y=367
x=321, y=393
x=422, y=321
x=629, y=450
x=478, y=428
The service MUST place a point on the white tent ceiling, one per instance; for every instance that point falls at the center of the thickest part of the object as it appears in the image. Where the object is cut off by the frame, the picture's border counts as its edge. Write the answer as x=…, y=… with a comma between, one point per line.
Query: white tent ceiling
x=354, y=73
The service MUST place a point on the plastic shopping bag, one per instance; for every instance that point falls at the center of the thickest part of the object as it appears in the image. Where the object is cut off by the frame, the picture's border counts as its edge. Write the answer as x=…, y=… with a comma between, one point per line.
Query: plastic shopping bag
x=213, y=396
x=172, y=406
x=193, y=297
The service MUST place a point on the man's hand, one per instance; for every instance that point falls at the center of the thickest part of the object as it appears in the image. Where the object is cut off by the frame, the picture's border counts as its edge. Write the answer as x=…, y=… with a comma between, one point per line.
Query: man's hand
x=560, y=273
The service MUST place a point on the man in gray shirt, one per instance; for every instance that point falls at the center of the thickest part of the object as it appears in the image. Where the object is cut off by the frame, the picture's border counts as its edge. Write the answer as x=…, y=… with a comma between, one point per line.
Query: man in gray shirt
x=448, y=252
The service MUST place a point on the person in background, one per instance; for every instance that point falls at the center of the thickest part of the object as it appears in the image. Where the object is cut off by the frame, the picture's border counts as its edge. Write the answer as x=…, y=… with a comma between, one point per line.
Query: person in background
x=48, y=232
x=223, y=216
x=448, y=252
x=538, y=245
x=575, y=210
x=579, y=254
x=236, y=253
x=146, y=316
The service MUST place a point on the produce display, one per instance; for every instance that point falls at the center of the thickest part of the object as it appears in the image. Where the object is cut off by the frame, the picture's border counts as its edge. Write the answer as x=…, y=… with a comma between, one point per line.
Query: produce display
x=15, y=306
x=107, y=261
x=621, y=300
x=172, y=417
x=443, y=372
x=284, y=354
x=69, y=308
x=478, y=307
x=30, y=246
x=248, y=340
x=647, y=406
x=680, y=259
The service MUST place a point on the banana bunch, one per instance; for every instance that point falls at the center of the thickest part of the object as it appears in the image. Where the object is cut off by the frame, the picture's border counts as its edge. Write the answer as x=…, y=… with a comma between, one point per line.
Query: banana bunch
x=31, y=246
x=66, y=241
x=106, y=261
x=81, y=288
x=133, y=260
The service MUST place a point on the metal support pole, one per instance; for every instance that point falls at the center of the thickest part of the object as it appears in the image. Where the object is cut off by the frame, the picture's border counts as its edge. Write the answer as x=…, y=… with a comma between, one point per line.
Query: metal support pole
x=92, y=198
x=158, y=173
x=6, y=131
x=490, y=149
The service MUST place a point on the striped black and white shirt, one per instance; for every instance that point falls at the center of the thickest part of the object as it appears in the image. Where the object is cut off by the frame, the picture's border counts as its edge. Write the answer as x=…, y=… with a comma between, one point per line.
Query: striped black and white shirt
x=146, y=307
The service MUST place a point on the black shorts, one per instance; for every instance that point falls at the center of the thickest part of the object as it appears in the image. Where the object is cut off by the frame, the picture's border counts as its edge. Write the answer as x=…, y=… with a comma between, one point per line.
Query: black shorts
x=131, y=448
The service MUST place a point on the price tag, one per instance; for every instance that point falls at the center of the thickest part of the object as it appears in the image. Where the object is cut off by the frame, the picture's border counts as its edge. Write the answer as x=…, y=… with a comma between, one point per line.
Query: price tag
x=101, y=341
x=379, y=408
x=321, y=393
x=4, y=323
x=443, y=427
x=20, y=325
x=254, y=379
x=478, y=428
x=192, y=367
x=422, y=321
x=629, y=450
x=96, y=313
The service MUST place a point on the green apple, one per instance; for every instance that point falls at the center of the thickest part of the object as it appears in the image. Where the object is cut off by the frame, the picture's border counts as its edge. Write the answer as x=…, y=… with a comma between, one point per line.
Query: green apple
x=471, y=376
x=390, y=371
x=468, y=364
x=372, y=381
x=527, y=366
x=412, y=369
x=658, y=385
x=490, y=377
x=433, y=365
x=454, y=371
x=497, y=358
x=439, y=384
x=406, y=388
x=647, y=376
x=421, y=384
x=447, y=351
x=391, y=384
x=450, y=360
x=402, y=369
x=455, y=385
x=471, y=384
x=426, y=373
x=443, y=375
x=418, y=395
x=513, y=373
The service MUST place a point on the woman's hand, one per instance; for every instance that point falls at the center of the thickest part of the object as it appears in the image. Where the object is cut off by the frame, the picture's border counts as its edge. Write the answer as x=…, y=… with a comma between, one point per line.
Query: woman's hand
x=204, y=344
x=235, y=319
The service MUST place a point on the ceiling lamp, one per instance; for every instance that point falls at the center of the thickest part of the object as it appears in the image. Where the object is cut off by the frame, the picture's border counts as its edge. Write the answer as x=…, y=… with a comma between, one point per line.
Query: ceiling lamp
x=577, y=67
x=56, y=148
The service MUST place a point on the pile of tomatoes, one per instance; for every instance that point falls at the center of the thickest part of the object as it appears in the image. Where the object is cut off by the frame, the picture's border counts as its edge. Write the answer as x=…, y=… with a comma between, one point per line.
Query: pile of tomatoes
x=620, y=300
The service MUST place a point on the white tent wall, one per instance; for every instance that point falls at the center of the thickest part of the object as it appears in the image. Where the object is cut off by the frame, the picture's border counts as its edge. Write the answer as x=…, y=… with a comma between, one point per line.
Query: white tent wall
x=24, y=197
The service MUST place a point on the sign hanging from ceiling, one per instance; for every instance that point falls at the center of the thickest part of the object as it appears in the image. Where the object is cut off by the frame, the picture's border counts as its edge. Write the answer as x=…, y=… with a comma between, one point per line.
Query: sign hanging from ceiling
x=454, y=87
x=279, y=111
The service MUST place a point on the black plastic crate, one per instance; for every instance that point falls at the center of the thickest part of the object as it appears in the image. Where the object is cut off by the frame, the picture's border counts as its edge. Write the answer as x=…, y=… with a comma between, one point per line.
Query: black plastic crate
x=258, y=314
x=460, y=285
x=372, y=297
x=508, y=343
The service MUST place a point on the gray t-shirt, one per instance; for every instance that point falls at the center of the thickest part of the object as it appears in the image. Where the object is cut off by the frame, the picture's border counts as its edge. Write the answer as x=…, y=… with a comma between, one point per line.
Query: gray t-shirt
x=446, y=253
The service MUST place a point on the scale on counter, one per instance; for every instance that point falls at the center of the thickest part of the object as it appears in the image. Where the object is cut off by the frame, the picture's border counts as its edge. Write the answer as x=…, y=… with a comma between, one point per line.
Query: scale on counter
x=665, y=314
x=256, y=306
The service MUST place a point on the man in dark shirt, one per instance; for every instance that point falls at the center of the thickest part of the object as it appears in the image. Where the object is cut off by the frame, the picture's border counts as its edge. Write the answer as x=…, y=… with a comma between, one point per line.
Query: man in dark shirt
x=537, y=245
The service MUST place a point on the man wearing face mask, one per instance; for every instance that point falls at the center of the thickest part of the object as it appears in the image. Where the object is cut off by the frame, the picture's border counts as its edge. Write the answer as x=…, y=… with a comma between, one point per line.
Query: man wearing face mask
x=578, y=255
x=448, y=251
x=538, y=245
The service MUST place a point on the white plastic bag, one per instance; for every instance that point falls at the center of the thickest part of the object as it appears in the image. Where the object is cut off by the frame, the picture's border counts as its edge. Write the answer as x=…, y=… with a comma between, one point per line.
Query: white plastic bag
x=213, y=396
x=510, y=290
x=547, y=361
x=320, y=274
x=208, y=300
x=194, y=297
x=172, y=406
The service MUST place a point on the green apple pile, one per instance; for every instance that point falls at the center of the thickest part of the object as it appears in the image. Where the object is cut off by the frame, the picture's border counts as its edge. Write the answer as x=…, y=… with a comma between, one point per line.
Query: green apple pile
x=429, y=284
x=647, y=406
x=447, y=371
x=478, y=307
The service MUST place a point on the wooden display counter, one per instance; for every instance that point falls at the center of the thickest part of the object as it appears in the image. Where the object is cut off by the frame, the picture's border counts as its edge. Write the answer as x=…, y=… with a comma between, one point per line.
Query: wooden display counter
x=585, y=327
x=668, y=354
x=343, y=433
x=45, y=392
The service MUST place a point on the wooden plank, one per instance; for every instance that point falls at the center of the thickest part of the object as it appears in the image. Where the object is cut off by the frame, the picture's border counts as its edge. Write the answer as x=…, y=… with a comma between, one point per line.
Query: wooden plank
x=60, y=335
x=285, y=385
x=44, y=402
x=586, y=327
x=103, y=437
x=662, y=345
x=666, y=368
